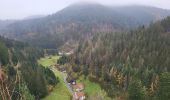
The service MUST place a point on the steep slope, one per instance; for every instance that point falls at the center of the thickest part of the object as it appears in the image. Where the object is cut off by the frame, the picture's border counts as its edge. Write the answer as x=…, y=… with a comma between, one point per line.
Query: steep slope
x=5, y=23
x=114, y=59
x=34, y=17
x=20, y=75
x=143, y=14
x=80, y=20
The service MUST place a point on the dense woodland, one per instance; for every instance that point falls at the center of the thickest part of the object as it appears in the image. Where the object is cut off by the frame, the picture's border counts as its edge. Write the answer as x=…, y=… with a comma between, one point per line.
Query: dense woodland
x=20, y=76
x=124, y=49
x=78, y=21
x=128, y=63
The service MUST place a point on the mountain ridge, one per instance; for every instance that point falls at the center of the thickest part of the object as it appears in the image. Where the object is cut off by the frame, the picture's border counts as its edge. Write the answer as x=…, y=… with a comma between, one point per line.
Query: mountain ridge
x=76, y=21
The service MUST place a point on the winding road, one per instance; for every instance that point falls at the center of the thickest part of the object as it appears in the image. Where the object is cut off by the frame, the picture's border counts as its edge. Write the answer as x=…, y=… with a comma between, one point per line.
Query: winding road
x=65, y=80
x=67, y=84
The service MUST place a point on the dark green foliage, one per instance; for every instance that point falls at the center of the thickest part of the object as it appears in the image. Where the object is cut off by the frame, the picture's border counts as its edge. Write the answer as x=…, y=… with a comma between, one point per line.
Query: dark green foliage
x=164, y=86
x=78, y=21
x=143, y=53
x=25, y=92
x=76, y=68
x=64, y=59
x=14, y=57
x=85, y=70
x=23, y=58
x=109, y=58
x=3, y=54
x=16, y=94
x=35, y=80
x=32, y=73
x=11, y=71
x=51, y=51
x=136, y=90
x=50, y=77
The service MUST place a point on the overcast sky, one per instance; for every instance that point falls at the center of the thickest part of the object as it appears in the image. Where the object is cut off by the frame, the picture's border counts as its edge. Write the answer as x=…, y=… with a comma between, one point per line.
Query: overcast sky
x=18, y=9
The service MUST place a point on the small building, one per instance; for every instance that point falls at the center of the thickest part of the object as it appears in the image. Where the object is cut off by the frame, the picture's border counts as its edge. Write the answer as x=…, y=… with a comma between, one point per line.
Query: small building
x=78, y=87
x=79, y=96
x=72, y=82
x=69, y=53
x=61, y=53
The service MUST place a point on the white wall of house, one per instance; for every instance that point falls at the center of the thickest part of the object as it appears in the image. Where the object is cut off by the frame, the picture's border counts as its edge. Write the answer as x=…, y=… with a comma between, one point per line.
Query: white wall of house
x=82, y=98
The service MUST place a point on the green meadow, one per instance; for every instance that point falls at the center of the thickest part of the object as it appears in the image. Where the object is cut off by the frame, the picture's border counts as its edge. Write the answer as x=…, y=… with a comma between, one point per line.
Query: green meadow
x=60, y=91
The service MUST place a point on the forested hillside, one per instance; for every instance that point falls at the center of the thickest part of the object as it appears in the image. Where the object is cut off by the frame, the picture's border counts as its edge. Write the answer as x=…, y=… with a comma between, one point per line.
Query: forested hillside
x=81, y=20
x=21, y=78
x=128, y=62
x=122, y=51
x=5, y=23
x=143, y=14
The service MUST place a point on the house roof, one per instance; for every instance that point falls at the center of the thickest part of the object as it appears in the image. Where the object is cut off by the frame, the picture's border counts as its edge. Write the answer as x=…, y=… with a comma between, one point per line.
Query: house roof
x=71, y=81
x=79, y=94
x=78, y=86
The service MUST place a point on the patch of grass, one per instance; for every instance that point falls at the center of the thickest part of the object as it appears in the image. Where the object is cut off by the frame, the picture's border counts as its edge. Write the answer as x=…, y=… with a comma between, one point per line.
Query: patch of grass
x=60, y=92
x=91, y=88
x=48, y=60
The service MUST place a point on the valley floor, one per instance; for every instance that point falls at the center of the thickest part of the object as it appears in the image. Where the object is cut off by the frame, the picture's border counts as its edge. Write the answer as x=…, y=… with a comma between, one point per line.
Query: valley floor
x=62, y=91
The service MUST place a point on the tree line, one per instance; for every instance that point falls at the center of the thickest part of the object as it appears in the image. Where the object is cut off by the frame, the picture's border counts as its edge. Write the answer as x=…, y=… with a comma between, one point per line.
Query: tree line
x=23, y=78
x=135, y=62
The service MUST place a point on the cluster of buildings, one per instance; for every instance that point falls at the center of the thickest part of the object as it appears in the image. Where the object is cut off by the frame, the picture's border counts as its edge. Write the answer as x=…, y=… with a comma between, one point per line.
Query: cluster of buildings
x=78, y=93
x=77, y=88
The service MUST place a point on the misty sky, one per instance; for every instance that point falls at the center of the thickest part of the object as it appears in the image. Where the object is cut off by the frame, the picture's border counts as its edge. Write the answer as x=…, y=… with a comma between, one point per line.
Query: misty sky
x=18, y=9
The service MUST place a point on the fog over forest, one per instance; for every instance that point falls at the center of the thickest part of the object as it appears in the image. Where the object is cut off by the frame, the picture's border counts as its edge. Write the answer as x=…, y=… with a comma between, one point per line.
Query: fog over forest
x=19, y=9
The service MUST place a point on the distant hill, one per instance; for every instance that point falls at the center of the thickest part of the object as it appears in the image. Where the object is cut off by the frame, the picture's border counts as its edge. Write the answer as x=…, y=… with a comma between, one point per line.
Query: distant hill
x=143, y=14
x=81, y=20
x=34, y=17
x=5, y=23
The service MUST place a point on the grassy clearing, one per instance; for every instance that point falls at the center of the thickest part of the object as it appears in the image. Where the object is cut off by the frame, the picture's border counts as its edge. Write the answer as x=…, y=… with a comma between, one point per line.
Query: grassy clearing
x=91, y=88
x=60, y=92
x=48, y=60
